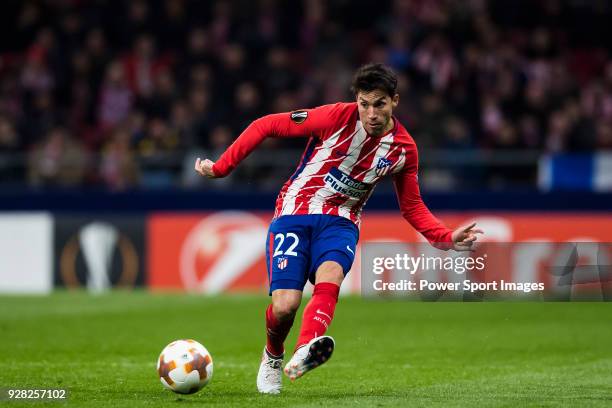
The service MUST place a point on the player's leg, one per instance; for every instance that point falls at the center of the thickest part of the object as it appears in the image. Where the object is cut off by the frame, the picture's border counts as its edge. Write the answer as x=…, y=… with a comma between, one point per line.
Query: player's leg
x=287, y=258
x=333, y=252
x=280, y=315
x=288, y=261
x=319, y=311
x=279, y=319
x=313, y=348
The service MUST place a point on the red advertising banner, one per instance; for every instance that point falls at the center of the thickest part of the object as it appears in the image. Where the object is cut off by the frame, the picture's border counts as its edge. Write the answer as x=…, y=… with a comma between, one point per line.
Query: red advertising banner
x=207, y=252
x=224, y=251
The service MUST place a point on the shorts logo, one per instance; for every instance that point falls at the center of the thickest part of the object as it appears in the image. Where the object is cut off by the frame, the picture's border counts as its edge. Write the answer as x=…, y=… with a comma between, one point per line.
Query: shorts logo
x=299, y=116
x=282, y=262
x=383, y=166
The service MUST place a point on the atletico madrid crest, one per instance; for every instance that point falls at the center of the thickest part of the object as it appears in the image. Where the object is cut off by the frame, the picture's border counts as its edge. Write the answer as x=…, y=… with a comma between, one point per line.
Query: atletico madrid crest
x=383, y=166
x=282, y=262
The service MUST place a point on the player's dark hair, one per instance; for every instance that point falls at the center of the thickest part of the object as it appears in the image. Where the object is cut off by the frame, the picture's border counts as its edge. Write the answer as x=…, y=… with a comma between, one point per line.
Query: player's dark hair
x=374, y=76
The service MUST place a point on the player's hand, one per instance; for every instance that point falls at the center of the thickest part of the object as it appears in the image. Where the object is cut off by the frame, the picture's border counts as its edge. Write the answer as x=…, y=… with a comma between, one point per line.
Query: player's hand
x=205, y=168
x=464, y=237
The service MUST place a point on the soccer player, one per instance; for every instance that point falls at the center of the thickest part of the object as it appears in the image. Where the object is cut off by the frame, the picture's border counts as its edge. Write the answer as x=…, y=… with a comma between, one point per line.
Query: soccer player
x=314, y=232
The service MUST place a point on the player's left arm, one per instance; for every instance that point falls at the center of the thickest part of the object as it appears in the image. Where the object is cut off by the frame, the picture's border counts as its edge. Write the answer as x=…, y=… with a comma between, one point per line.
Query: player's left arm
x=415, y=211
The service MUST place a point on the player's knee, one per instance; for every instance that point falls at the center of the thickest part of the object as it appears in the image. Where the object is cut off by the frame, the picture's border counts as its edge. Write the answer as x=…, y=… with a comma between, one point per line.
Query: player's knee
x=285, y=308
x=330, y=271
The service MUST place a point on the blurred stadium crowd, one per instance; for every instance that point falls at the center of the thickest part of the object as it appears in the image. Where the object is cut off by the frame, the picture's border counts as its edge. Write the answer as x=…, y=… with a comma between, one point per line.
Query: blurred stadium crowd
x=124, y=94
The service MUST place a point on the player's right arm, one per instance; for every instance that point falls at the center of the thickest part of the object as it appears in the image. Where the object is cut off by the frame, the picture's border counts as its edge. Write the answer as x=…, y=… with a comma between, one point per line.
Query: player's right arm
x=301, y=123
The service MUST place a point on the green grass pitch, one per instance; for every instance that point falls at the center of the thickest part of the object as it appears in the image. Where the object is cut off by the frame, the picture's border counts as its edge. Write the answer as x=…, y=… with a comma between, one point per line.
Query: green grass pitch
x=104, y=350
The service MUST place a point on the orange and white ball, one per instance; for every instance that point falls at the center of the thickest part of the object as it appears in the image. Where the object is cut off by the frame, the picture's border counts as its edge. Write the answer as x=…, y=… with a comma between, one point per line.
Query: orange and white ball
x=185, y=366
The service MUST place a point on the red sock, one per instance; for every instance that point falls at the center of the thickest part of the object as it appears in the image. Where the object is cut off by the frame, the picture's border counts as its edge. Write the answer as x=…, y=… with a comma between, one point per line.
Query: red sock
x=276, y=332
x=319, y=312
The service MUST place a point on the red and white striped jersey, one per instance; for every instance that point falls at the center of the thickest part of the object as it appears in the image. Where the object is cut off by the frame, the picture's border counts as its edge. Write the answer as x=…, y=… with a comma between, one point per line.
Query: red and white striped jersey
x=340, y=166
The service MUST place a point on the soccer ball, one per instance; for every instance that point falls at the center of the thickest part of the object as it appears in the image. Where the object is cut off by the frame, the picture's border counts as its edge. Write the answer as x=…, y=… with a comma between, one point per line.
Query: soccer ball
x=185, y=366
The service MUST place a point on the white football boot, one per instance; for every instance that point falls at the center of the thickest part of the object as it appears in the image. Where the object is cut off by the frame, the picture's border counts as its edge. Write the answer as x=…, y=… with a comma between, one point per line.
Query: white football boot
x=270, y=375
x=309, y=356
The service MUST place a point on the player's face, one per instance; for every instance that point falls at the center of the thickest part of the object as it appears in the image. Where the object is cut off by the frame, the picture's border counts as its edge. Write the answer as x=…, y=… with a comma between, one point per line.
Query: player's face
x=376, y=110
